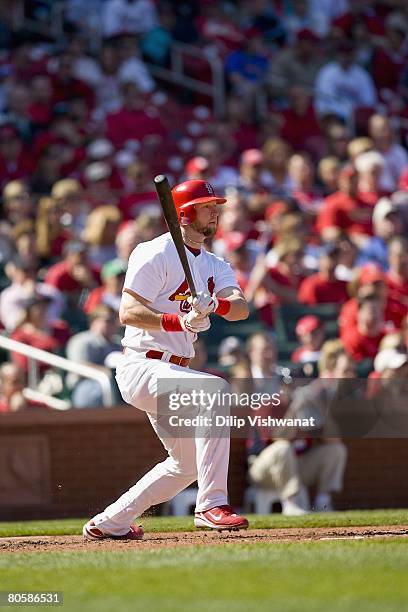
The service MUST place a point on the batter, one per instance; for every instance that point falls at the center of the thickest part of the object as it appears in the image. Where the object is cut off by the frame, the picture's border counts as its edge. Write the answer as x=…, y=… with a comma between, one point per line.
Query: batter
x=162, y=322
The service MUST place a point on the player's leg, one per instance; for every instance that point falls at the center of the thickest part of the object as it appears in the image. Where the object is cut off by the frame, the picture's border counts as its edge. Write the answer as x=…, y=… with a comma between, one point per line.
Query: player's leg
x=160, y=484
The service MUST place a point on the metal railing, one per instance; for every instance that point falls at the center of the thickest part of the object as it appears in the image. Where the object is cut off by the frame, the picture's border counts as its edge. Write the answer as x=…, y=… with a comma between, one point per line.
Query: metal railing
x=175, y=74
x=36, y=356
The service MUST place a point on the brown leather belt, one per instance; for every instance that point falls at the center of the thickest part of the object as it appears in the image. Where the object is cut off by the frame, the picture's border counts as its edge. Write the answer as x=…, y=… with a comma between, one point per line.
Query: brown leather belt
x=181, y=361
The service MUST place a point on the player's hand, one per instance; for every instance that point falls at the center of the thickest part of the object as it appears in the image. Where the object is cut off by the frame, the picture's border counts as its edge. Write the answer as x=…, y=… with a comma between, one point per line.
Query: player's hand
x=203, y=303
x=194, y=322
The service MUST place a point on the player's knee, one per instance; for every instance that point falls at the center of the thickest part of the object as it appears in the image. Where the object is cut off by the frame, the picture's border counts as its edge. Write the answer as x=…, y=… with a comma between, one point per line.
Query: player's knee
x=181, y=469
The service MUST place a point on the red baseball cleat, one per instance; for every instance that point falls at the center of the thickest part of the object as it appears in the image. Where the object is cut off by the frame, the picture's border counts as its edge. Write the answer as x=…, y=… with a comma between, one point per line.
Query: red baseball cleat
x=91, y=532
x=223, y=518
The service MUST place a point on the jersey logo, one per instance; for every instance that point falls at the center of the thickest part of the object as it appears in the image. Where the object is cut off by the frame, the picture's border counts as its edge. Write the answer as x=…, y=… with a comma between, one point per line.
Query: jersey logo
x=182, y=293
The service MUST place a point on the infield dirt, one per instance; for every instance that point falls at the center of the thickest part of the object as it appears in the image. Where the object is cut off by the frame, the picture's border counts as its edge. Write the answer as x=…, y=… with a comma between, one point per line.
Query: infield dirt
x=157, y=540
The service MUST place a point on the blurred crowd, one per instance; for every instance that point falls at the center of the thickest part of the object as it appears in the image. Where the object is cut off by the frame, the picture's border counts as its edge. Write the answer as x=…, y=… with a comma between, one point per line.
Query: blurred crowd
x=311, y=152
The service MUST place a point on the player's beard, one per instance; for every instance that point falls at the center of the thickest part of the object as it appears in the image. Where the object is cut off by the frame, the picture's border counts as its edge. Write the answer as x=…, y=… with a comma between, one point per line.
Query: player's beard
x=208, y=231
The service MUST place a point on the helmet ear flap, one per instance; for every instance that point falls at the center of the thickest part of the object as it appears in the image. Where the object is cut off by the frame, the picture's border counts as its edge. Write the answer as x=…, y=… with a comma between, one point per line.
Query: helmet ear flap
x=187, y=214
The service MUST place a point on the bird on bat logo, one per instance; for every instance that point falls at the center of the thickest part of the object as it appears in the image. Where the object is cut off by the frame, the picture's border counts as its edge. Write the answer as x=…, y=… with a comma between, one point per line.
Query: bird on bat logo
x=182, y=293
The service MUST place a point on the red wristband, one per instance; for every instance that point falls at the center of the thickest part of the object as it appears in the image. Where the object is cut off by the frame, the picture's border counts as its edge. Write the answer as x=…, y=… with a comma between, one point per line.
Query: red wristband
x=171, y=323
x=224, y=306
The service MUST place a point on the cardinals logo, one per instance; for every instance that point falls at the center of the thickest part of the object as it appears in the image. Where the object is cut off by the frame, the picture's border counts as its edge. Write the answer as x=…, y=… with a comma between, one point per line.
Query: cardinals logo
x=182, y=293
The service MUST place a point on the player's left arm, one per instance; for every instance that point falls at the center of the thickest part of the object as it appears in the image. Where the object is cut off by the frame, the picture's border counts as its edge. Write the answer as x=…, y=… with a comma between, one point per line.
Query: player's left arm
x=234, y=302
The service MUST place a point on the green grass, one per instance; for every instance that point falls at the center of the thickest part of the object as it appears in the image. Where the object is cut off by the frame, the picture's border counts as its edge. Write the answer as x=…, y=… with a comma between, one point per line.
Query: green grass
x=272, y=521
x=321, y=576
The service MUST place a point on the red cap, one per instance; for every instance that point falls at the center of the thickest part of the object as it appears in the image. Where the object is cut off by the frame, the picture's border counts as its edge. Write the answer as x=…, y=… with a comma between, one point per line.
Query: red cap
x=307, y=324
x=252, y=157
x=196, y=164
x=186, y=195
x=370, y=273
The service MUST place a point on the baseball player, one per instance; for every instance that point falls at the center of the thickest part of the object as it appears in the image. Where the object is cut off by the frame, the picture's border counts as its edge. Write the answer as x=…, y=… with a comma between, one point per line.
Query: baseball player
x=162, y=322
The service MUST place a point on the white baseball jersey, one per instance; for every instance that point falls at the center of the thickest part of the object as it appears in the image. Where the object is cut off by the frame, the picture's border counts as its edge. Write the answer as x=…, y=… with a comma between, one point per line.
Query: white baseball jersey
x=156, y=274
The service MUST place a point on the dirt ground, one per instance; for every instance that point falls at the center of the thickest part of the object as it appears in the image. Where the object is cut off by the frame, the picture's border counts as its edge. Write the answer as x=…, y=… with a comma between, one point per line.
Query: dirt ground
x=168, y=540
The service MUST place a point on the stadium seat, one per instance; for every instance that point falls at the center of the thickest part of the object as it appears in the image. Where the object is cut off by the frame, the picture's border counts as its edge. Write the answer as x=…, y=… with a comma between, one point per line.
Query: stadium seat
x=260, y=501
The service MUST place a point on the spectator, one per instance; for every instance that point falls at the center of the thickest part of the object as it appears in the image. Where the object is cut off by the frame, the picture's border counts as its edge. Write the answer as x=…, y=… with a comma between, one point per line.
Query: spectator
x=358, y=146
x=246, y=68
x=64, y=84
x=24, y=240
x=362, y=342
x=275, y=176
x=290, y=466
x=328, y=171
x=156, y=42
x=250, y=183
x=110, y=293
x=68, y=197
x=311, y=335
x=12, y=383
x=344, y=211
x=92, y=347
x=130, y=16
x=370, y=281
x=270, y=285
x=342, y=86
x=397, y=276
x=127, y=239
x=395, y=157
x=391, y=364
x=74, y=273
x=40, y=108
x=241, y=254
x=140, y=194
x=370, y=166
x=36, y=331
x=300, y=127
x=132, y=69
x=387, y=223
x=18, y=204
x=390, y=58
x=301, y=173
x=220, y=176
x=15, y=161
x=131, y=121
x=51, y=233
x=100, y=233
x=323, y=287
x=17, y=109
x=97, y=180
x=303, y=18
x=295, y=66
x=262, y=353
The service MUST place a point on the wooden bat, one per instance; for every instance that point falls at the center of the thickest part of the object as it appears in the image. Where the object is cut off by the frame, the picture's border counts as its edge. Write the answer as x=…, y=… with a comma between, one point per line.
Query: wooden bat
x=170, y=214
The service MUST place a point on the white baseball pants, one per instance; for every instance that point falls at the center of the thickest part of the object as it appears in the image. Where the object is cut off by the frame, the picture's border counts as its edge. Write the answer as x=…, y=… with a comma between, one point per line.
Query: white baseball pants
x=204, y=459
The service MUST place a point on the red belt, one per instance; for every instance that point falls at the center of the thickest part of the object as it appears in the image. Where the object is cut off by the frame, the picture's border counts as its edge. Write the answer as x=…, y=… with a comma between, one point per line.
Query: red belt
x=181, y=361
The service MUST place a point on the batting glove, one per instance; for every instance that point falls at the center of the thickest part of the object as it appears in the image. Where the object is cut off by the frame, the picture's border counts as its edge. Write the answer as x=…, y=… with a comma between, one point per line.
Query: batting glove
x=203, y=303
x=194, y=322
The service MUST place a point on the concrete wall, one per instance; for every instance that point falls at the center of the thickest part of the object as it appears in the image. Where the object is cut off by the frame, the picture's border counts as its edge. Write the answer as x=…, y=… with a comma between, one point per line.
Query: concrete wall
x=74, y=463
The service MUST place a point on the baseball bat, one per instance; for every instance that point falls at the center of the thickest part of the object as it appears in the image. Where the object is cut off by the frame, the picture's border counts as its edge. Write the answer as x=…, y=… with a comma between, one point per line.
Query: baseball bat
x=170, y=214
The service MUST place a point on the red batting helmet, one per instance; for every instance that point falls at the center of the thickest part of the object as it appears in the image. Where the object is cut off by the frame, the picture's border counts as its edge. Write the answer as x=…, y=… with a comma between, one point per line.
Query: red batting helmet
x=186, y=195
